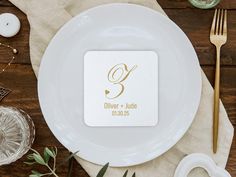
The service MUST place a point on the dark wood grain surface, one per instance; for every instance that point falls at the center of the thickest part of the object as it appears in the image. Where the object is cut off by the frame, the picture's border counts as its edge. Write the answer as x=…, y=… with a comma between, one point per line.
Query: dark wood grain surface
x=194, y=22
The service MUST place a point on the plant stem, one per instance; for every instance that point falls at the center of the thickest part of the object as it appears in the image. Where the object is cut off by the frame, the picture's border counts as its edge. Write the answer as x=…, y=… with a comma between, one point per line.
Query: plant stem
x=53, y=172
x=70, y=167
x=54, y=164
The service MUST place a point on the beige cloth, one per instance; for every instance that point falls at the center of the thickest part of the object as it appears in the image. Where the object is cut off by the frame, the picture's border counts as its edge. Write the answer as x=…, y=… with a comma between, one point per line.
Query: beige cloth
x=47, y=16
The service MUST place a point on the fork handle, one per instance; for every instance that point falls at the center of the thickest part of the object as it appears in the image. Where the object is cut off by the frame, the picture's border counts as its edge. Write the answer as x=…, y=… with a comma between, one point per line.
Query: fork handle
x=216, y=100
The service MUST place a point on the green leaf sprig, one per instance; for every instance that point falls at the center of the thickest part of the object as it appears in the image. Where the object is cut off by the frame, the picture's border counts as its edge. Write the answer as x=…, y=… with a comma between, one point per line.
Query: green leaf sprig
x=49, y=154
x=102, y=172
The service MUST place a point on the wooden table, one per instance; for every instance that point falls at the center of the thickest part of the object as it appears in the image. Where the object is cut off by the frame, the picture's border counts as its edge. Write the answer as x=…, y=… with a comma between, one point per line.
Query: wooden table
x=194, y=22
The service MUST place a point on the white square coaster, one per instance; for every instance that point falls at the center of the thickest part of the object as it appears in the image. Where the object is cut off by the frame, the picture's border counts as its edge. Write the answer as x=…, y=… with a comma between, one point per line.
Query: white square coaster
x=121, y=88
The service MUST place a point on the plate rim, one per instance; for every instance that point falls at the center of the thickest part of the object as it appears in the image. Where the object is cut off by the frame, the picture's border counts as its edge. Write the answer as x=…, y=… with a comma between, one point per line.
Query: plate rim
x=170, y=143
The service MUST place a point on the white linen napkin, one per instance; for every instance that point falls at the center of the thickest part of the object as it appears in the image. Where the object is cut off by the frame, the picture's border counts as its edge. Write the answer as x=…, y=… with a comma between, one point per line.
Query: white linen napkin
x=47, y=16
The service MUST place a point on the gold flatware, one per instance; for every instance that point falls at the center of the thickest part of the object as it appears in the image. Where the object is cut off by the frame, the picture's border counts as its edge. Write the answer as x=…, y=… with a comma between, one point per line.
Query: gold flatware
x=218, y=37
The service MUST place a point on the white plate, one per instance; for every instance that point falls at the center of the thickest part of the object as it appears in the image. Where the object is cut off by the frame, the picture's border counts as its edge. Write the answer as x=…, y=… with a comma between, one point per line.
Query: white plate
x=119, y=27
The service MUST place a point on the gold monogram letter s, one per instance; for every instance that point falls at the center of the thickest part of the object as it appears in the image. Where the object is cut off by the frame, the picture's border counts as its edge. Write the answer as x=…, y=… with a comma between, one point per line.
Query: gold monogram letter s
x=116, y=75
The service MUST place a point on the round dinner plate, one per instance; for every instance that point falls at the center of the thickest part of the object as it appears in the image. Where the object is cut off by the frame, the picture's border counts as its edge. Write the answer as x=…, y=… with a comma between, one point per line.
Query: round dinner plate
x=119, y=27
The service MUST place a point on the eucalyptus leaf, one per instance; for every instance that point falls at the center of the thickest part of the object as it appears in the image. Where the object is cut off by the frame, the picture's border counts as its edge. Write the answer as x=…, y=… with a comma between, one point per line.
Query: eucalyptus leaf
x=35, y=172
x=29, y=163
x=126, y=173
x=30, y=157
x=50, y=153
x=32, y=175
x=102, y=172
x=36, y=152
x=46, y=156
x=38, y=158
x=54, y=151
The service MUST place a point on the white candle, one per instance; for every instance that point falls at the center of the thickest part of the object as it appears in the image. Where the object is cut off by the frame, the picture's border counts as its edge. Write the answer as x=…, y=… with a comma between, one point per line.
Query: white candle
x=9, y=25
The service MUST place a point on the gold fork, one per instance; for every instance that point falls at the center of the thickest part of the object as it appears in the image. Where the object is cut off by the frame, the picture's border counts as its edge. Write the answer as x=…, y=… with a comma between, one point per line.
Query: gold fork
x=218, y=37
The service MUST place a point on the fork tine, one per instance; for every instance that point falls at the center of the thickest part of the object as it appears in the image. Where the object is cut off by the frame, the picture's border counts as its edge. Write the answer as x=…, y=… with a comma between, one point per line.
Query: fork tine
x=221, y=21
x=217, y=22
x=213, y=26
x=225, y=23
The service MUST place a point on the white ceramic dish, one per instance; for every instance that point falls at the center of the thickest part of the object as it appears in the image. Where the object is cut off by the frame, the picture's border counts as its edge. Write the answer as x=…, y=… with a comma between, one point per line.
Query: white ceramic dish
x=198, y=160
x=119, y=27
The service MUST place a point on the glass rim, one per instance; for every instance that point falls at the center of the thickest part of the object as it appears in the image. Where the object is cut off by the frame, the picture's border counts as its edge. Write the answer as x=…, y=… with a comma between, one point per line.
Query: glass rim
x=25, y=120
x=202, y=6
